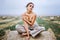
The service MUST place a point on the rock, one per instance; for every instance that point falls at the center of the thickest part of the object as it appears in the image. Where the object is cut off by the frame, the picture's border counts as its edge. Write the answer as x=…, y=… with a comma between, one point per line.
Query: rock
x=13, y=35
x=45, y=35
x=52, y=33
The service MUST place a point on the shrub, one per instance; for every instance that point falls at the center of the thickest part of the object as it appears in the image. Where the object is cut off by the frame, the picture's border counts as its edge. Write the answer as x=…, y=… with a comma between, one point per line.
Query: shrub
x=12, y=28
x=2, y=32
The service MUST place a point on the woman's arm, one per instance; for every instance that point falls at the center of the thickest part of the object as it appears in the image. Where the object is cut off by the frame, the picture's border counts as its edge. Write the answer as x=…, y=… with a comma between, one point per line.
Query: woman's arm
x=33, y=20
x=24, y=17
x=26, y=28
x=27, y=21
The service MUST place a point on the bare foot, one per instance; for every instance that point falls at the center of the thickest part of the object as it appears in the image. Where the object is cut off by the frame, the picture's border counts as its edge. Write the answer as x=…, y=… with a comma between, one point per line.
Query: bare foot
x=24, y=34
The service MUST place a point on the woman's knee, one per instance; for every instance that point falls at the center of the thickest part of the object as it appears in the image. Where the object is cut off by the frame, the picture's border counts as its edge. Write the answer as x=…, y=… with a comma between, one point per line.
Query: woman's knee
x=20, y=28
x=41, y=28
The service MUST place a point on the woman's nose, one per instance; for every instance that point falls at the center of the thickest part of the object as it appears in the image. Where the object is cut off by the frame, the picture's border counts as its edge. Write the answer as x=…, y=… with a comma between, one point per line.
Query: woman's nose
x=30, y=7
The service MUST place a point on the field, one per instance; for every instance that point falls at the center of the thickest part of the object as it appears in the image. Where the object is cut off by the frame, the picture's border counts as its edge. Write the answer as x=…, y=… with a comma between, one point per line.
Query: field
x=7, y=23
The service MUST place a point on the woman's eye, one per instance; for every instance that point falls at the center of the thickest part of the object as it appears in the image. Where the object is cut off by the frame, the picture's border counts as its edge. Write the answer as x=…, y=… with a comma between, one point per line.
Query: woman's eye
x=31, y=6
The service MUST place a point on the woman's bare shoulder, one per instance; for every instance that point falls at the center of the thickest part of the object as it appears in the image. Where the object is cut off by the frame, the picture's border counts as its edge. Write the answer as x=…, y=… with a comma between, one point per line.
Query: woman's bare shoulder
x=34, y=14
x=23, y=13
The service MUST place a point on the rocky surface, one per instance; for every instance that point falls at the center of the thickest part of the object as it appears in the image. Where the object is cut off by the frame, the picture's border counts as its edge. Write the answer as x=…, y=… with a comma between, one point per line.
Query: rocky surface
x=52, y=33
x=45, y=35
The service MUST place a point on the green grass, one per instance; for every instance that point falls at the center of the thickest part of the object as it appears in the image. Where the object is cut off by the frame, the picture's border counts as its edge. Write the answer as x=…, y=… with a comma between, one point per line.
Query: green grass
x=49, y=24
x=10, y=27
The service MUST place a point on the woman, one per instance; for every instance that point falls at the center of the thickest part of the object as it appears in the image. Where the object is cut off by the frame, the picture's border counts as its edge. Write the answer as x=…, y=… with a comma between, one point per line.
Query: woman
x=29, y=18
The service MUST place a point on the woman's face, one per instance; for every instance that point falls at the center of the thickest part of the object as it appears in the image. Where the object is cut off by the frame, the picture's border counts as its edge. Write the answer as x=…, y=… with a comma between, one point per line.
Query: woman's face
x=30, y=7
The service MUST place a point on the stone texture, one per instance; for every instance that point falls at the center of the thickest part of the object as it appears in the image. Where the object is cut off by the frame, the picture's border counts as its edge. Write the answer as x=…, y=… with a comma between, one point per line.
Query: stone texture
x=52, y=33
x=45, y=35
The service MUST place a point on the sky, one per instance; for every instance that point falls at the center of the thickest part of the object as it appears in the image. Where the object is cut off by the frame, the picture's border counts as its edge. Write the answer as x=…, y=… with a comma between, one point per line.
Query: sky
x=41, y=8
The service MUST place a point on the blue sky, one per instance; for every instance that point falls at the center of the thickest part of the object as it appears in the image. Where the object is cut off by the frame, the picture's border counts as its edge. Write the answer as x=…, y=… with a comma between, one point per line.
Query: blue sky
x=42, y=7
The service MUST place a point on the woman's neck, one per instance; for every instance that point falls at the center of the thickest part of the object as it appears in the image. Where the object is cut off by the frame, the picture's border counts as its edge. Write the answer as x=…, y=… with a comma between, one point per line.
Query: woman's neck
x=29, y=12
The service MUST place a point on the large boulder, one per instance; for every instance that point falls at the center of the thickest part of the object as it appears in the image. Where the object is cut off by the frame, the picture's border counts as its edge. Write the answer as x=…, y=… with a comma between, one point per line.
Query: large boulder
x=45, y=35
x=52, y=33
